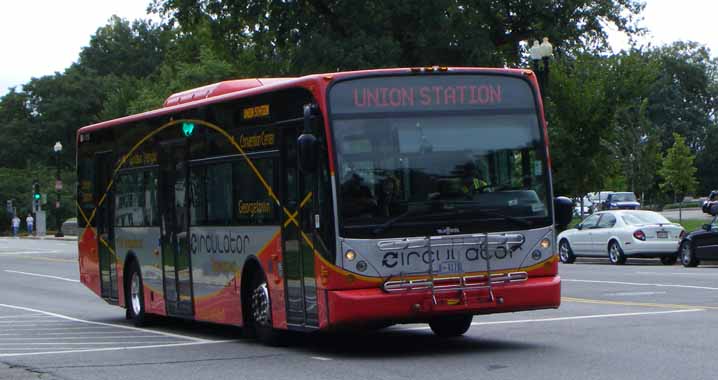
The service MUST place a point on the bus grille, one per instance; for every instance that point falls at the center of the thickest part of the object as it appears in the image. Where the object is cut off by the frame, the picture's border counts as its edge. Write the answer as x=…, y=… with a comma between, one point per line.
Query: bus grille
x=454, y=283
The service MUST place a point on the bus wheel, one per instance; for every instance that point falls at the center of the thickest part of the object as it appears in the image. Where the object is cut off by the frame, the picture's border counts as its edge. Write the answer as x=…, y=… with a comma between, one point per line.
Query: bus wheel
x=135, y=301
x=451, y=326
x=261, y=312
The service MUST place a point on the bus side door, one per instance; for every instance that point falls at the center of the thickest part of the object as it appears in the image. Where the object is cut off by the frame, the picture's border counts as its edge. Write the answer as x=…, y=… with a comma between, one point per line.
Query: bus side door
x=297, y=198
x=174, y=227
x=104, y=164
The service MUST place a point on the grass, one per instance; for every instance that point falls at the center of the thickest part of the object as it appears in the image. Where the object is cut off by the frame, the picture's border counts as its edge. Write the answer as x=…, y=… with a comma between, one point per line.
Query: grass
x=691, y=224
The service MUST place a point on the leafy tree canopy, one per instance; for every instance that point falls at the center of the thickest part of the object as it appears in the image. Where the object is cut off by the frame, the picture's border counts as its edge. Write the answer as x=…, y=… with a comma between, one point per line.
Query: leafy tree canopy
x=327, y=35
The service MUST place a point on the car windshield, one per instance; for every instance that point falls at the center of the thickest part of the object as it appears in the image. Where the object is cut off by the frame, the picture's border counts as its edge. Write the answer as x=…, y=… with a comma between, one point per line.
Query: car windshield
x=478, y=170
x=639, y=218
x=623, y=197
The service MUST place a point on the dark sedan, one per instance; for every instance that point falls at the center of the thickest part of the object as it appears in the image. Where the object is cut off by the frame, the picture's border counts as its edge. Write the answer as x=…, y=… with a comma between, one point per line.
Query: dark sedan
x=700, y=245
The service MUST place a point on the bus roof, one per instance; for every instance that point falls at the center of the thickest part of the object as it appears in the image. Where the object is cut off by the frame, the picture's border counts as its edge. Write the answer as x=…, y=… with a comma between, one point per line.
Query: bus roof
x=240, y=88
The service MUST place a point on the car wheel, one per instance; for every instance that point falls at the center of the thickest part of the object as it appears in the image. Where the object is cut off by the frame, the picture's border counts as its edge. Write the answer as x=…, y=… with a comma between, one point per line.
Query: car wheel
x=565, y=253
x=135, y=301
x=668, y=260
x=261, y=312
x=688, y=257
x=615, y=253
x=451, y=326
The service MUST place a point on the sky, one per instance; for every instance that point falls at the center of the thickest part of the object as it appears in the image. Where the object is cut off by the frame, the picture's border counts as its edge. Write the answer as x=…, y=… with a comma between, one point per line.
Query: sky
x=41, y=37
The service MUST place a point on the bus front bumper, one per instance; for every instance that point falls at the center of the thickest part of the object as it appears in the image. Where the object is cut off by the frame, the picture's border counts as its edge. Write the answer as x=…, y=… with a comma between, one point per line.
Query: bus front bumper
x=348, y=307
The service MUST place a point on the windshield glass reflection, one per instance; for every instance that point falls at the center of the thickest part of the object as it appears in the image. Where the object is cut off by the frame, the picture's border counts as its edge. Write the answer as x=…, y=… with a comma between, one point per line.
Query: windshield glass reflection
x=441, y=169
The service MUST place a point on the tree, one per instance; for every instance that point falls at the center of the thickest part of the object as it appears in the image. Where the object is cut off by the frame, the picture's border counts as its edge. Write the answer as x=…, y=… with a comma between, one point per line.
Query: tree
x=121, y=48
x=677, y=170
x=16, y=129
x=578, y=123
x=309, y=36
x=684, y=97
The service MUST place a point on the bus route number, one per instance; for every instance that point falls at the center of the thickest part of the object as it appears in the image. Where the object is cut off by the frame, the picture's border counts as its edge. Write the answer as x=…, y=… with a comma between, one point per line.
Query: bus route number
x=450, y=267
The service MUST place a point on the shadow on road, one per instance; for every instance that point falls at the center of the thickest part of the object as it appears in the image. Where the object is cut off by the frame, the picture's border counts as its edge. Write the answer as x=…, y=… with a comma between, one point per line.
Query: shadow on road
x=365, y=343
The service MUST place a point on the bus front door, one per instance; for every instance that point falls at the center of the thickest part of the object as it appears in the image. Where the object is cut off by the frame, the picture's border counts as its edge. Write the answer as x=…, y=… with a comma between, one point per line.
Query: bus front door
x=176, y=265
x=300, y=279
x=105, y=227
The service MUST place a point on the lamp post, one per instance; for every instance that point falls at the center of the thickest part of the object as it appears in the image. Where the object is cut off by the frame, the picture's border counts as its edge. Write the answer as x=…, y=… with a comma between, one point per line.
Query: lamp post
x=58, y=186
x=541, y=52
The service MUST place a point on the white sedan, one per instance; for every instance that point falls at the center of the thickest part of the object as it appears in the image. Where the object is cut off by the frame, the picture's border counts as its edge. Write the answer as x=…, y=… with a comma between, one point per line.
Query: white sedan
x=621, y=234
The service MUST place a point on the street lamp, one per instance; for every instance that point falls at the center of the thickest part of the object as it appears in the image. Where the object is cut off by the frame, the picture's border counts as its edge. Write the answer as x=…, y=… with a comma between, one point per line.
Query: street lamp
x=541, y=52
x=58, y=186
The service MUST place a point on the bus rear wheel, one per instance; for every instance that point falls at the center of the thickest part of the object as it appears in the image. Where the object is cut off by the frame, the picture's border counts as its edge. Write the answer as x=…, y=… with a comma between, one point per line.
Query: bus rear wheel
x=135, y=299
x=451, y=326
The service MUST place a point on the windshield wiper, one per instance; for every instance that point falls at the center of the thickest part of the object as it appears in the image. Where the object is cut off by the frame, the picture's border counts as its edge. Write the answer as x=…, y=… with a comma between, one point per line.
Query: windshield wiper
x=453, y=212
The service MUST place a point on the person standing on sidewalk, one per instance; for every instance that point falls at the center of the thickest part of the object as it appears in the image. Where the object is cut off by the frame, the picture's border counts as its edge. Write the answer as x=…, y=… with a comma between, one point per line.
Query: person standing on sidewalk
x=29, y=221
x=15, y=225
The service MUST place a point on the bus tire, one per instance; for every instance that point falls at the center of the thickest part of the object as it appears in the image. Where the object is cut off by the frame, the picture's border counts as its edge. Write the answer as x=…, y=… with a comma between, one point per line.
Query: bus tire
x=451, y=326
x=260, y=312
x=134, y=293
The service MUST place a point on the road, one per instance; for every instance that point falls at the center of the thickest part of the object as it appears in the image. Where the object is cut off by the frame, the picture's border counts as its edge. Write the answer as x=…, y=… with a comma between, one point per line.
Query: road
x=639, y=321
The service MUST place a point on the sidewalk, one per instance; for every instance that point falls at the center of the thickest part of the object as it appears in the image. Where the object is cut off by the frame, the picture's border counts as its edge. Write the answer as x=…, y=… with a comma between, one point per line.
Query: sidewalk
x=50, y=237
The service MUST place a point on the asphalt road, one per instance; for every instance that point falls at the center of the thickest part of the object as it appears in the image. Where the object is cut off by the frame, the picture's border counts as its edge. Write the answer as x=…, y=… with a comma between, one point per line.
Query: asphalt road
x=639, y=321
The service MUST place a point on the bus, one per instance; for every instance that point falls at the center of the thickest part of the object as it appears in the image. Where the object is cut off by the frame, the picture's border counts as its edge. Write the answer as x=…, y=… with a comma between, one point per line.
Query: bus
x=349, y=199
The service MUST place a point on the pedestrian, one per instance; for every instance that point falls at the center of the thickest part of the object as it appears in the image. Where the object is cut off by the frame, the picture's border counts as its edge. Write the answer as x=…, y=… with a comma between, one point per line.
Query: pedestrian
x=29, y=221
x=15, y=225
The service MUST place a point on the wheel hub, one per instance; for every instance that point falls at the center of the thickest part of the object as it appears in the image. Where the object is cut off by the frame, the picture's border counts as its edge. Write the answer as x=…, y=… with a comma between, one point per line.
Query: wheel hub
x=135, y=294
x=260, y=305
x=563, y=251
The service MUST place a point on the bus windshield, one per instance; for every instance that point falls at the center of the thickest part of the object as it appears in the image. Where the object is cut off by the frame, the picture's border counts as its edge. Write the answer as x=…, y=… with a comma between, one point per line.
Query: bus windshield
x=458, y=170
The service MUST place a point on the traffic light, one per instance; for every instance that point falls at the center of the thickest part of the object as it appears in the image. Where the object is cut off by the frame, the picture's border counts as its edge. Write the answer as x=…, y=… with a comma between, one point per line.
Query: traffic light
x=36, y=196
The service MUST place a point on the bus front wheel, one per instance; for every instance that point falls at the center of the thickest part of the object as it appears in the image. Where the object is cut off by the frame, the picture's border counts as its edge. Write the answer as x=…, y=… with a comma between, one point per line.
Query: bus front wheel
x=260, y=312
x=451, y=326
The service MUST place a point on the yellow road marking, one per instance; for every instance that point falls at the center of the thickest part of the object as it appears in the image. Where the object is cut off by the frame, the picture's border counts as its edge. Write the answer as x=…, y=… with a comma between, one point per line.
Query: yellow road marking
x=642, y=304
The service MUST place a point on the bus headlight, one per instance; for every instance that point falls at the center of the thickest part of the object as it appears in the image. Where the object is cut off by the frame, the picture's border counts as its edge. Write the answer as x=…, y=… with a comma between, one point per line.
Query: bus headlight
x=545, y=243
x=350, y=255
x=361, y=265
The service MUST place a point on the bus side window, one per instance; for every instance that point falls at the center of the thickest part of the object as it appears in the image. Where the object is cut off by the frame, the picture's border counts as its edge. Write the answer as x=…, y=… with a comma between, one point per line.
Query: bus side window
x=219, y=194
x=253, y=205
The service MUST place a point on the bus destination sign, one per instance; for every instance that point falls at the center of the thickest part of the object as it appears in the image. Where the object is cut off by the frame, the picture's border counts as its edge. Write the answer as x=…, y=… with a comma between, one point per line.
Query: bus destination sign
x=447, y=92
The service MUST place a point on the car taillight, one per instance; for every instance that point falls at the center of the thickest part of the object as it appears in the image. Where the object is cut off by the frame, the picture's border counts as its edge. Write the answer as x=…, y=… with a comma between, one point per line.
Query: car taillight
x=682, y=235
x=639, y=235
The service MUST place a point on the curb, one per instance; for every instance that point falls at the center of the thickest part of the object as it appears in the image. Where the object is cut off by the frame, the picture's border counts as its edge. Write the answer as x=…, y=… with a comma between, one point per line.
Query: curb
x=50, y=237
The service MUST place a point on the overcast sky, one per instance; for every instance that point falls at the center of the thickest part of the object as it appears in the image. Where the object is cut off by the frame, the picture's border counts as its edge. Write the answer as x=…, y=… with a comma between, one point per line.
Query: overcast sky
x=40, y=37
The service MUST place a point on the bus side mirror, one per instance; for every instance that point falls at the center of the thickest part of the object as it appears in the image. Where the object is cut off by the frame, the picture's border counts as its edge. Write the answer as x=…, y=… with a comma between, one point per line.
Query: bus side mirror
x=563, y=209
x=307, y=149
x=307, y=146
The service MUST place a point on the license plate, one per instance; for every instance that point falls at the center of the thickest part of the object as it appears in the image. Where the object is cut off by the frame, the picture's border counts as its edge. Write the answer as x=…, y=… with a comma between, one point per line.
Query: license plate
x=662, y=234
x=450, y=267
